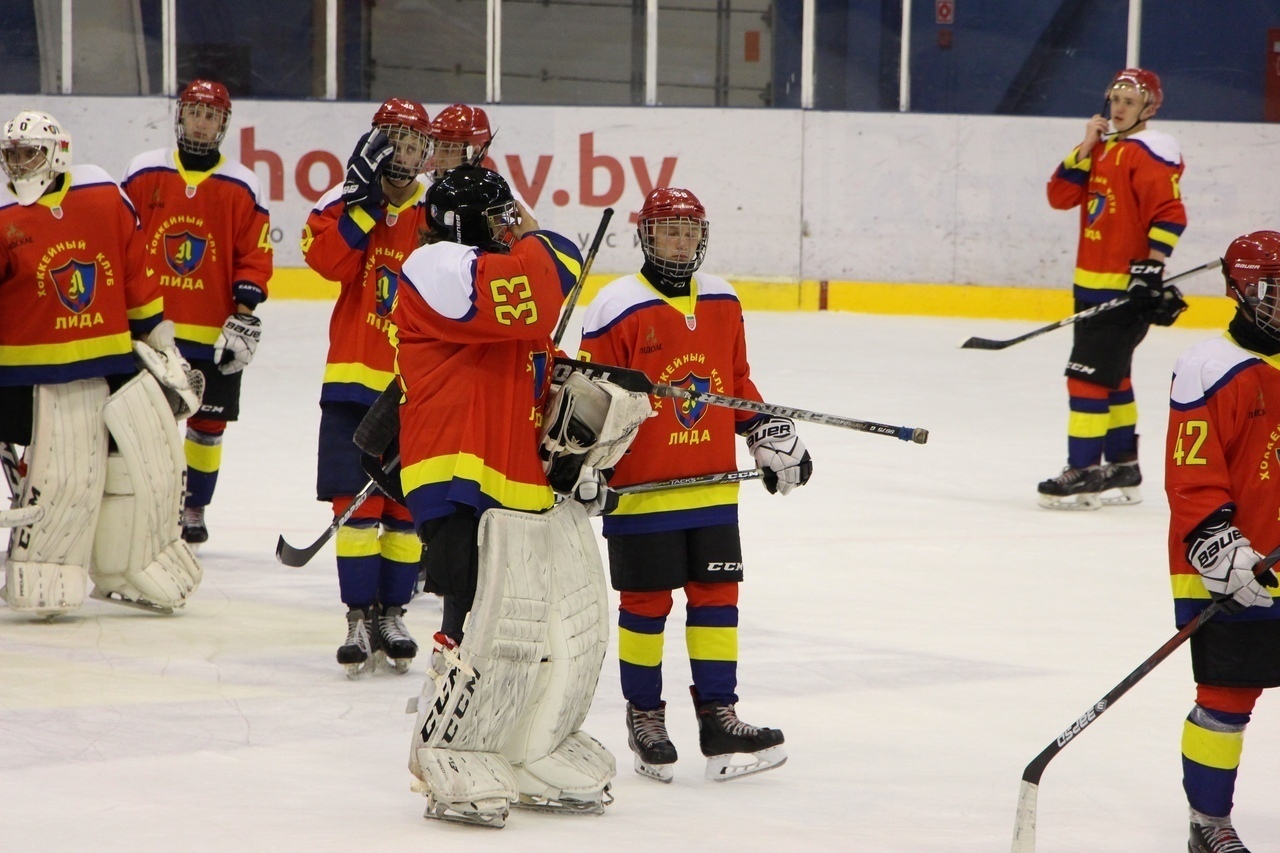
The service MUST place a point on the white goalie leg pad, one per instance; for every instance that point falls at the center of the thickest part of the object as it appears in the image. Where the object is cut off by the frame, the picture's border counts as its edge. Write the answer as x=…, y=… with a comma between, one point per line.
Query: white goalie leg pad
x=66, y=466
x=138, y=554
x=475, y=696
x=557, y=765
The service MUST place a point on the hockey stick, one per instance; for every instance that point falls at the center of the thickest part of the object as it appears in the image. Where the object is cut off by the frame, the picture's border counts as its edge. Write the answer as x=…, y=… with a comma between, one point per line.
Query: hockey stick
x=298, y=557
x=15, y=516
x=700, y=480
x=1024, y=825
x=572, y=299
x=635, y=380
x=987, y=343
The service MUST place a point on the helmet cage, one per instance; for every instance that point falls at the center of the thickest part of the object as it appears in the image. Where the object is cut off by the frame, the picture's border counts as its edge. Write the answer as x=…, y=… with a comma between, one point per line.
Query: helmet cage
x=1252, y=272
x=412, y=150
x=34, y=151
x=674, y=229
x=197, y=111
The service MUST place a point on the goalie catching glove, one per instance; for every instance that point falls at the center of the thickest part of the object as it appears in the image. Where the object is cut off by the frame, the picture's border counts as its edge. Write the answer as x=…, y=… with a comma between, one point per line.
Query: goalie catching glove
x=780, y=453
x=1225, y=560
x=183, y=387
x=237, y=342
x=1157, y=302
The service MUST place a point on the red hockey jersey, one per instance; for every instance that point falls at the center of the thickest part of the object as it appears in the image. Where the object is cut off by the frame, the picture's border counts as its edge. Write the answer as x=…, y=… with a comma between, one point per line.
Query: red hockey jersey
x=206, y=234
x=694, y=342
x=1224, y=429
x=364, y=254
x=1130, y=203
x=72, y=292
x=474, y=336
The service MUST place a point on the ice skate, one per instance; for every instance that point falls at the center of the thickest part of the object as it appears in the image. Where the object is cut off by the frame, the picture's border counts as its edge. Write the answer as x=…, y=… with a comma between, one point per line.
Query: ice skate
x=356, y=654
x=491, y=813
x=1213, y=835
x=1124, y=476
x=722, y=736
x=391, y=638
x=647, y=736
x=1081, y=484
x=193, y=530
x=117, y=598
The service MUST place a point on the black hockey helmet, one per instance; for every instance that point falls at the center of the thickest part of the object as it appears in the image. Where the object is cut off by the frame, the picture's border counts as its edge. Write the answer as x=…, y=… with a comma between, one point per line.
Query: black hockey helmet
x=474, y=206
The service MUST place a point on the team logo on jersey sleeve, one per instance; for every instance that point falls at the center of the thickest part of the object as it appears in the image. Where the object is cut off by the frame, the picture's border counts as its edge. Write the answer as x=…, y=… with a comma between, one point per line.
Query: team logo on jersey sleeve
x=1097, y=205
x=76, y=283
x=184, y=252
x=385, y=283
x=689, y=412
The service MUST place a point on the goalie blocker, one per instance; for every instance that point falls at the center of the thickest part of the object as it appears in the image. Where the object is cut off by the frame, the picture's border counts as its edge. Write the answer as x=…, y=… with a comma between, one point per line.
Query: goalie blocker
x=108, y=517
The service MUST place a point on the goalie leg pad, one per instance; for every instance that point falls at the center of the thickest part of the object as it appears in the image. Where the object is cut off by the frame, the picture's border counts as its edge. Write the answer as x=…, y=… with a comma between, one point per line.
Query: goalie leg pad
x=475, y=695
x=558, y=766
x=138, y=554
x=66, y=468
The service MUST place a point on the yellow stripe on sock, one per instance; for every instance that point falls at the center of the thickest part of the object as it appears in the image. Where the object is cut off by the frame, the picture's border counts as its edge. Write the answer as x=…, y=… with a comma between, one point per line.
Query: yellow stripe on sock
x=1220, y=750
x=712, y=643
x=400, y=547
x=357, y=541
x=639, y=649
x=205, y=458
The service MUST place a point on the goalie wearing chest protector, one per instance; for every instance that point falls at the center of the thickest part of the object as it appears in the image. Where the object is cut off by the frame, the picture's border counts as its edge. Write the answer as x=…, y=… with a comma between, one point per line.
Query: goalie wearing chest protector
x=95, y=398
x=525, y=626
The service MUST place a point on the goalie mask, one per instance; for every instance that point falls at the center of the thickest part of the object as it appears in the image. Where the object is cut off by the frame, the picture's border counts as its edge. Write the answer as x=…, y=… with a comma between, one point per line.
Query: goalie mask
x=673, y=232
x=407, y=126
x=459, y=134
x=204, y=111
x=35, y=150
x=1251, y=268
x=473, y=206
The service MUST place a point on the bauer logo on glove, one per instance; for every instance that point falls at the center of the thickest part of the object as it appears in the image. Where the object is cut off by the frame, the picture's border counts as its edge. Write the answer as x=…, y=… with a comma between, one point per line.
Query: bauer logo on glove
x=237, y=342
x=780, y=454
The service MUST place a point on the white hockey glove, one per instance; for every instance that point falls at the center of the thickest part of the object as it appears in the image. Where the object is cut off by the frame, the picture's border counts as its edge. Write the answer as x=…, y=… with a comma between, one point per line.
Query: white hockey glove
x=593, y=492
x=781, y=454
x=183, y=387
x=1225, y=561
x=237, y=342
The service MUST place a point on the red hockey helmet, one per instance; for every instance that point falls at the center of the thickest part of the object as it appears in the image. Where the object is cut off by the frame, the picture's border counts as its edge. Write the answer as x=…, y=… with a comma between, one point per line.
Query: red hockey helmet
x=1146, y=82
x=408, y=126
x=673, y=231
x=1251, y=268
x=459, y=133
x=204, y=111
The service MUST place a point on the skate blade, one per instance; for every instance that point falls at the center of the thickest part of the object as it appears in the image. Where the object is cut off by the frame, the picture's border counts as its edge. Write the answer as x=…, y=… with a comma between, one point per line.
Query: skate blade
x=1129, y=495
x=564, y=805
x=720, y=768
x=356, y=670
x=397, y=665
x=1083, y=501
x=489, y=814
x=117, y=598
x=659, y=772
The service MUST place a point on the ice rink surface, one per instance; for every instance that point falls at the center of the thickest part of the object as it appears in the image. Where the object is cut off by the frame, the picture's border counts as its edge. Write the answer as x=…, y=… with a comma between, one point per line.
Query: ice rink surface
x=916, y=625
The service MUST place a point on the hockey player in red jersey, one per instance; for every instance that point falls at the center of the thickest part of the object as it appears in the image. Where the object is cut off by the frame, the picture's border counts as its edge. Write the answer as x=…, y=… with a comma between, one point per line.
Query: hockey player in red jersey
x=77, y=310
x=208, y=247
x=1223, y=420
x=685, y=328
x=359, y=234
x=1124, y=178
x=458, y=134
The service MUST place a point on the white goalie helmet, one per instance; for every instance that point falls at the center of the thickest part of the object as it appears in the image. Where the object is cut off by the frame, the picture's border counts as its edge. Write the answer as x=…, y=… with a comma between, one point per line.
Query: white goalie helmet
x=35, y=150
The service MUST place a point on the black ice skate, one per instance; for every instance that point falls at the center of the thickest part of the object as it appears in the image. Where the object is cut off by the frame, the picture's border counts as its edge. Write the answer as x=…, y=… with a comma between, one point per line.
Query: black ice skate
x=1124, y=476
x=193, y=530
x=392, y=639
x=1213, y=835
x=647, y=736
x=356, y=654
x=722, y=736
x=1082, y=484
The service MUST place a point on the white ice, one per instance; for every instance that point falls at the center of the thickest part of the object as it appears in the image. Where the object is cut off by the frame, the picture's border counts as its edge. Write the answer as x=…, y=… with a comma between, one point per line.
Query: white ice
x=917, y=626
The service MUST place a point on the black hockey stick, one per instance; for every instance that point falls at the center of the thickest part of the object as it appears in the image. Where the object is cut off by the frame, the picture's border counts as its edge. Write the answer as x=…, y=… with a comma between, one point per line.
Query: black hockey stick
x=572, y=298
x=298, y=557
x=635, y=380
x=1024, y=825
x=987, y=343
x=699, y=480
x=15, y=516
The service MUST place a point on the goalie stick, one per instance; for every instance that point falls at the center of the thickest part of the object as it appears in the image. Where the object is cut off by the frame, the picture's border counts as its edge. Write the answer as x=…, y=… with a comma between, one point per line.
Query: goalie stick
x=1024, y=825
x=15, y=516
x=298, y=557
x=987, y=343
x=572, y=299
x=635, y=380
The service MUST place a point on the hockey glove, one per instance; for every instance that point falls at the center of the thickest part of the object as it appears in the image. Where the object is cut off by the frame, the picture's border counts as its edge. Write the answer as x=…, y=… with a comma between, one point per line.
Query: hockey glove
x=237, y=342
x=183, y=386
x=1225, y=561
x=1156, y=302
x=363, y=184
x=781, y=454
x=593, y=492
